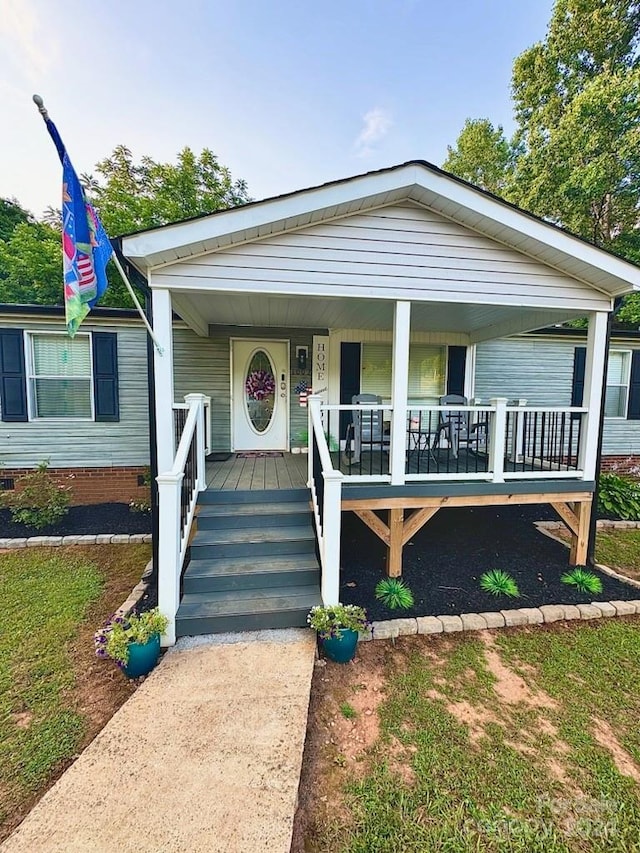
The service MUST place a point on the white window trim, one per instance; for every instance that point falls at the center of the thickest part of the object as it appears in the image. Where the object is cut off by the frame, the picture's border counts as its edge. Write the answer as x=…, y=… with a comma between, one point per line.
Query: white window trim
x=28, y=335
x=626, y=385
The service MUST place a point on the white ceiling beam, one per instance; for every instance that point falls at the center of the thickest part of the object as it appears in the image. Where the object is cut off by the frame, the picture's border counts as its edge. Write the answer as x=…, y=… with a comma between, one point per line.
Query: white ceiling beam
x=191, y=317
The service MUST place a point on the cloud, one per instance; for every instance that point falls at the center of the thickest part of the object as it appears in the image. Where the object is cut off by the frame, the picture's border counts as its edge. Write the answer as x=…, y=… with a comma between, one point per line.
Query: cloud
x=24, y=40
x=377, y=123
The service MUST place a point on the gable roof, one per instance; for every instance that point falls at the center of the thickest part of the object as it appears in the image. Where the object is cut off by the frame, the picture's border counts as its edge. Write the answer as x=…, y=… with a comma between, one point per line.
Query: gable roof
x=417, y=181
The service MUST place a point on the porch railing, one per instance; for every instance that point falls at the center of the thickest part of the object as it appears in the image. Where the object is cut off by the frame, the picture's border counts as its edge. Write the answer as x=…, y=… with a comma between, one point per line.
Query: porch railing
x=177, y=496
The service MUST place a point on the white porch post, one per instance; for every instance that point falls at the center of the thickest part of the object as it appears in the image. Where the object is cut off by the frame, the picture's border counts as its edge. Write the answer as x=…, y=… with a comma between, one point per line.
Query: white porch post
x=497, y=435
x=592, y=398
x=163, y=367
x=169, y=486
x=199, y=400
x=331, y=524
x=400, y=385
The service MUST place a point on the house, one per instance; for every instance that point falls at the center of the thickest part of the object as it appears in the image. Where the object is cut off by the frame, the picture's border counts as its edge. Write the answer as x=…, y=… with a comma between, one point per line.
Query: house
x=81, y=403
x=402, y=284
x=104, y=454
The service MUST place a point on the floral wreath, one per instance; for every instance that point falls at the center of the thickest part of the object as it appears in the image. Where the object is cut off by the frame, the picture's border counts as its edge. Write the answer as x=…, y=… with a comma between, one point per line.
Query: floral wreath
x=259, y=384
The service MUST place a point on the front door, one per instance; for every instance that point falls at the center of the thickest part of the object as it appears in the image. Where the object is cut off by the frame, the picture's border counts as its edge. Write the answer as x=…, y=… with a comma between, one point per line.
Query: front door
x=260, y=395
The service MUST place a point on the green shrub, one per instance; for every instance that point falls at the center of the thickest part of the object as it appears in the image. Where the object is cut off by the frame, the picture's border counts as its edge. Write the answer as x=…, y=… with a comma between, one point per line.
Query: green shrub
x=619, y=496
x=584, y=580
x=497, y=582
x=38, y=501
x=394, y=593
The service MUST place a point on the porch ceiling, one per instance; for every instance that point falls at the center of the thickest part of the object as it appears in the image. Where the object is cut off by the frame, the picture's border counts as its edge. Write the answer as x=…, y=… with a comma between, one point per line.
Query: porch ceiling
x=479, y=322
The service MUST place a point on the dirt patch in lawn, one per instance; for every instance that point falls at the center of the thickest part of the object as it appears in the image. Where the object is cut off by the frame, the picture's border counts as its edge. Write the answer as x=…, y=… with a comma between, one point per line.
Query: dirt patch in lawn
x=100, y=688
x=605, y=736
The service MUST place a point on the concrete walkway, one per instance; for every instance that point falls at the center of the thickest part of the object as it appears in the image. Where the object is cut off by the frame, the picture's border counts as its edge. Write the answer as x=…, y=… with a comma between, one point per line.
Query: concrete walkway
x=204, y=757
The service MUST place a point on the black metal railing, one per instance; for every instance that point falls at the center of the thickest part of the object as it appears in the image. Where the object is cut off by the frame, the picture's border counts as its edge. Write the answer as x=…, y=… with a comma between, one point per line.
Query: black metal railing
x=364, y=447
x=188, y=486
x=179, y=420
x=542, y=440
x=450, y=441
x=318, y=478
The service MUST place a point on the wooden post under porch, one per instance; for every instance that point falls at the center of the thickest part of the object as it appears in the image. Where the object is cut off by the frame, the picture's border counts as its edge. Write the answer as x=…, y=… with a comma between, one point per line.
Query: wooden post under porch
x=572, y=505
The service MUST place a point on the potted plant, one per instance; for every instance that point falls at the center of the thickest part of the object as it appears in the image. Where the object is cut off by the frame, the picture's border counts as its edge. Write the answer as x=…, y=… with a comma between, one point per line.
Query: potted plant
x=132, y=641
x=338, y=627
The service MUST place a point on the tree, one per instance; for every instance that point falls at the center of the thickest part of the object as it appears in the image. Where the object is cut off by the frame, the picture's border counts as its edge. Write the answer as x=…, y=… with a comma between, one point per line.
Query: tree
x=31, y=265
x=11, y=214
x=129, y=197
x=576, y=150
x=482, y=156
x=133, y=196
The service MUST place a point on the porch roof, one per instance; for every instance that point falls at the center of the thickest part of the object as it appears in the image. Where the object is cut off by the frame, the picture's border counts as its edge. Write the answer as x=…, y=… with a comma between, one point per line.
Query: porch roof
x=416, y=181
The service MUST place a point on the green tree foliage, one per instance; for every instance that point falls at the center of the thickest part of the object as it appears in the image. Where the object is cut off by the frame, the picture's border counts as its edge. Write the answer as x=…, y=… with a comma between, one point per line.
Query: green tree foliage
x=31, y=265
x=575, y=156
x=482, y=156
x=11, y=214
x=129, y=196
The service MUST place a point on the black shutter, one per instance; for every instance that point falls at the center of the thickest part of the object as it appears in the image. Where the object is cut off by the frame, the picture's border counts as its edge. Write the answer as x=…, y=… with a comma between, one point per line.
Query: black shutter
x=13, y=380
x=105, y=376
x=633, y=412
x=456, y=365
x=349, y=380
x=577, y=386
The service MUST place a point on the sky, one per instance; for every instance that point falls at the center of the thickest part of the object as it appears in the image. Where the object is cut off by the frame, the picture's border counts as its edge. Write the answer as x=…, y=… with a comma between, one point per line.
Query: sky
x=286, y=94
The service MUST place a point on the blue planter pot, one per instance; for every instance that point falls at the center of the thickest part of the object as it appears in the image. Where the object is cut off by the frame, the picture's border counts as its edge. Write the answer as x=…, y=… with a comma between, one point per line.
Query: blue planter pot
x=142, y=657
x=341, y=649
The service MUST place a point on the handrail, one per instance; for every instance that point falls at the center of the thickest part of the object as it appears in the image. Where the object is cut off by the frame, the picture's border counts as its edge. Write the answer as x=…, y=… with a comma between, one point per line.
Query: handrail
x=185, y=441
x=323, y=447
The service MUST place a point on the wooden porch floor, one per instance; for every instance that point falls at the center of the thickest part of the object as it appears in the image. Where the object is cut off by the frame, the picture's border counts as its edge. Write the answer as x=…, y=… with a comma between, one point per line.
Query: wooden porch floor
x=288, y=471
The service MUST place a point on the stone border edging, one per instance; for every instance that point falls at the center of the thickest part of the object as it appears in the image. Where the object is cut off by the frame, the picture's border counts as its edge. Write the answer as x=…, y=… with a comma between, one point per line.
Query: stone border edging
x=545, y=614
x=137, y=592
x=92, y=539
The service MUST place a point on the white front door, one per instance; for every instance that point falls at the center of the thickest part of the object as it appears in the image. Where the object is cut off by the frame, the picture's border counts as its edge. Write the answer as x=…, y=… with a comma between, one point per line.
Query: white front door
x=260, y=402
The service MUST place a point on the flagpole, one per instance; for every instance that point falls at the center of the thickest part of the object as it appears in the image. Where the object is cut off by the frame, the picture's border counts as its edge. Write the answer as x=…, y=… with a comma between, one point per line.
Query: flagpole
x=38, y=101
x=123, y=276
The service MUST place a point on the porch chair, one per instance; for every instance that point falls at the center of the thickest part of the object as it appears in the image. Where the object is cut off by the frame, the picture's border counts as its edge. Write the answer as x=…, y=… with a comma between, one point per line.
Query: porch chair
x=366, y=430
x=456, y=428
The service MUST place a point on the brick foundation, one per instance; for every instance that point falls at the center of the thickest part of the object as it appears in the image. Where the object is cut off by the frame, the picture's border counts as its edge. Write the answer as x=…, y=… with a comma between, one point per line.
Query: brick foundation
x=93, y=485
x=622, y=464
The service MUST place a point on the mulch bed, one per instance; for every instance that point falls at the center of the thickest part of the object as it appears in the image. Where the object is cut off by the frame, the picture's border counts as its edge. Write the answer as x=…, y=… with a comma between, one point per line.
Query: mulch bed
x=82, y=520
x=443, y=562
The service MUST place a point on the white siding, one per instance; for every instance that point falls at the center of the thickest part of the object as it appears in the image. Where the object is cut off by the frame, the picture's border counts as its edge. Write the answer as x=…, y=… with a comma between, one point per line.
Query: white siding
x=78, y=444
x=394, y=252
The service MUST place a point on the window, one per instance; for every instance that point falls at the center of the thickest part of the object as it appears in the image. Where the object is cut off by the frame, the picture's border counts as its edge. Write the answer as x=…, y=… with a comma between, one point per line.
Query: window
x=617, y=392
x=426, y=371
x=60, y=382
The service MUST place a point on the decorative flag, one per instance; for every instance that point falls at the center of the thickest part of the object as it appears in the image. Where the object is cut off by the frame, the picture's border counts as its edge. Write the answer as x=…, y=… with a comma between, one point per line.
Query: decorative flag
x=85, y=246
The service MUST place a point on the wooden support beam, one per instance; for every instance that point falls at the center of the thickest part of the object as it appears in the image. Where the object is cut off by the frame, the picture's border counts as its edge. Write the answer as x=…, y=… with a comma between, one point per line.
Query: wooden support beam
x=396, y=541
x=567, y=514
x=579, y=540
x=418, y=502
x=374, y=523
x=417, y=520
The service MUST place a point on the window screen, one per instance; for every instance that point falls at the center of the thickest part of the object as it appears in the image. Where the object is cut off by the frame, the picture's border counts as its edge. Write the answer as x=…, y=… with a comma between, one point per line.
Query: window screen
x=60, y=381
x=617, y=391
x=426, y=371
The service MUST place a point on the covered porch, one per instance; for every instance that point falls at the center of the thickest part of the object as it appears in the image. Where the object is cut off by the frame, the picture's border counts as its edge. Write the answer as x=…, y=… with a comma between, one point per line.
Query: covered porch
x=404, y=258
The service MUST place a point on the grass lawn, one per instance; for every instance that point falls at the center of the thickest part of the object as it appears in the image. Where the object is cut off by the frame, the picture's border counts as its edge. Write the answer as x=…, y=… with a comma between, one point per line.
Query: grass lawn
x=620, y=550
x=516, y=740
x=54, y=694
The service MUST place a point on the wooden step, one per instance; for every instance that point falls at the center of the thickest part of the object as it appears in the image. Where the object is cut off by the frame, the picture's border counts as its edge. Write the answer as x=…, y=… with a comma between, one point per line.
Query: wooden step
x=262, y=496
x=209, y=575
x=246, y=610
x=227, y=516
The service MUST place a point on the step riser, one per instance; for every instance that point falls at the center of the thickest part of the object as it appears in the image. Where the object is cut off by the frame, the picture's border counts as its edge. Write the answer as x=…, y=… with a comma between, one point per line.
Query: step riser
x=189, y=627
x=231, y=522
x=228, y=496
x=252, y=549
x=258, y=580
